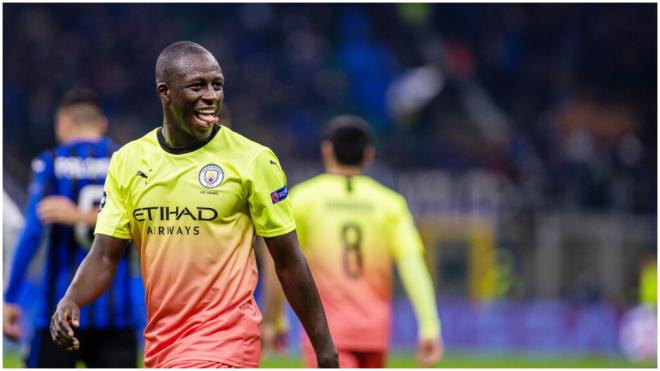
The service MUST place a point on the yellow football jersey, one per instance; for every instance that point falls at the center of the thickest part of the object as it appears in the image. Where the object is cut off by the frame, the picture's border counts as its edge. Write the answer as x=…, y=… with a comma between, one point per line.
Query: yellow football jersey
x=352, y=230
x=192, y=213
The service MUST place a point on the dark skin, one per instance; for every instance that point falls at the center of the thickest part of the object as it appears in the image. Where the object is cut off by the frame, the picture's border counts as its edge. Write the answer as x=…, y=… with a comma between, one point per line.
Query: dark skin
x=299, y=287
x=192, y=96
x=193, y=85
x=92, y=278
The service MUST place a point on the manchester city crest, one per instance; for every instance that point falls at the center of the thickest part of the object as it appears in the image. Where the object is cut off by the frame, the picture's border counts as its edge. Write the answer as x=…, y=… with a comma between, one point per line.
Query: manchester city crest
x=211, y=176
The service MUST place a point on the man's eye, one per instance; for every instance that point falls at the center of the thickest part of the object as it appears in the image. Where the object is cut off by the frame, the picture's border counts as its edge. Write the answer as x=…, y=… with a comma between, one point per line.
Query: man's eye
x=217, y=86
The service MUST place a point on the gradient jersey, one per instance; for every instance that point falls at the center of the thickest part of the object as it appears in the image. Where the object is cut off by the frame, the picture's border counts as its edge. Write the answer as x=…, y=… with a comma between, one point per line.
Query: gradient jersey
x=76, y=170
x=351, y=230
x=192, y=214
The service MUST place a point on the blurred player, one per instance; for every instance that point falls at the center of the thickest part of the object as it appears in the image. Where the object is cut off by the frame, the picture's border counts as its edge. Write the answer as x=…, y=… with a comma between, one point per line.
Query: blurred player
x=266, y=264
x=275, y=325
x=191, y=195
x=351, y=229
x=66, y=189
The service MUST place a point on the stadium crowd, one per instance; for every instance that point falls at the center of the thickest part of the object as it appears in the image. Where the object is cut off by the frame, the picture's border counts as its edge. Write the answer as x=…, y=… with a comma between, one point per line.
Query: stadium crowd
x=558, y=99
x=560, y=82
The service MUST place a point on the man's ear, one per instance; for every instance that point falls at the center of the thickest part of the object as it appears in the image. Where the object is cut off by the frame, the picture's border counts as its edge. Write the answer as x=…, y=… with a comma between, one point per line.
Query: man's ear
x=163, y=92
x=327, y=151
x=103, y=124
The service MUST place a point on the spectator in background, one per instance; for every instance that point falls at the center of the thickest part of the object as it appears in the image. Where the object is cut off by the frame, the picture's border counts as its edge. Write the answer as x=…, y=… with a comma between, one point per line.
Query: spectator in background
x=66, y=189
x=352, y=229
x=313, y=60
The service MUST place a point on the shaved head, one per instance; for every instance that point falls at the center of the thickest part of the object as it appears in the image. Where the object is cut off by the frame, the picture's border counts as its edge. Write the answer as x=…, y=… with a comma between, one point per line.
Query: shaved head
x=168, y=59
x=189, y=83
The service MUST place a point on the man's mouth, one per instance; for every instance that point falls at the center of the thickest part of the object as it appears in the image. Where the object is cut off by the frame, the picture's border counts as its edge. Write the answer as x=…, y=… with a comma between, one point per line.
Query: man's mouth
x=207, y=116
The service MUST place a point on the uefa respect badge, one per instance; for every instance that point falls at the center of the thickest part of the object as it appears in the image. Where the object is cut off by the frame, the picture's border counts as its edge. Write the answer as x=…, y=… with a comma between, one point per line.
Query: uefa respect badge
x=211, y=176
x=279, y=195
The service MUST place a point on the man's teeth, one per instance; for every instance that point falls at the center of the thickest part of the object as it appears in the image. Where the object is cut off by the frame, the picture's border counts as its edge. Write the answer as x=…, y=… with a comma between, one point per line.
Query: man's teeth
x=206, y=112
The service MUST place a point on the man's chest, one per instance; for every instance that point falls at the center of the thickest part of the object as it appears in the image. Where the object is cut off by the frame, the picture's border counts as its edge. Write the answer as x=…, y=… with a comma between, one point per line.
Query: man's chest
x=185, y=189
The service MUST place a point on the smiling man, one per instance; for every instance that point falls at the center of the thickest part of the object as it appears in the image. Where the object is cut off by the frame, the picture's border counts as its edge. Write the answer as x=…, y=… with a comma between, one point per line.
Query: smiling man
x=191, y=195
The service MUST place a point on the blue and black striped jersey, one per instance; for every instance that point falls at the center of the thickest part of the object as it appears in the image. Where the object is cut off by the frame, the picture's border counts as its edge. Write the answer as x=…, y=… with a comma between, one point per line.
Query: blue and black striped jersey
x=76, y=170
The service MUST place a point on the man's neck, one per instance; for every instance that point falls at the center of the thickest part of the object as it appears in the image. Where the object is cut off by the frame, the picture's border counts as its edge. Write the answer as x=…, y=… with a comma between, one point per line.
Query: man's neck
x=87, y=136
x=344, y=170
x=171, y=139
x=177, y=138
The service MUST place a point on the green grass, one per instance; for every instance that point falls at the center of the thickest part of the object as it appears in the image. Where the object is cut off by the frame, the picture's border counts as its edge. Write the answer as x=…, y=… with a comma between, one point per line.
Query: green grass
x=475, y=360
x=455, y=360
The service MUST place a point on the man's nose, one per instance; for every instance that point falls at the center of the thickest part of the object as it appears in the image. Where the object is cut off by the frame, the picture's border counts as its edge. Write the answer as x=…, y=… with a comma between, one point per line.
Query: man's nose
x=211, y=94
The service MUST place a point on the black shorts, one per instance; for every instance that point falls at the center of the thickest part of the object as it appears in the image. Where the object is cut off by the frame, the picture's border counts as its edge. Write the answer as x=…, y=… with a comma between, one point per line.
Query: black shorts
x=98, y=349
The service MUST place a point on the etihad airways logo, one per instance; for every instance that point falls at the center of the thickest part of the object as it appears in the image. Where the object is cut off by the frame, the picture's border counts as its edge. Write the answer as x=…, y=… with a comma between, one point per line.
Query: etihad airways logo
x=162, y=213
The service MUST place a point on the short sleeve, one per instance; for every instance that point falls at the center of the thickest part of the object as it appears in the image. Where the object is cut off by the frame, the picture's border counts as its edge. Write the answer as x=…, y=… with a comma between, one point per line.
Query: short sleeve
x=299, y=208
x=270, y=207
x=405, y=237
x=113, y=215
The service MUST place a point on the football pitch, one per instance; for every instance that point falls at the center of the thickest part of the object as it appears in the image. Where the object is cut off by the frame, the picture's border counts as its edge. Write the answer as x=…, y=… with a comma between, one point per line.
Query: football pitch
x=477, y=360
x=455, y=360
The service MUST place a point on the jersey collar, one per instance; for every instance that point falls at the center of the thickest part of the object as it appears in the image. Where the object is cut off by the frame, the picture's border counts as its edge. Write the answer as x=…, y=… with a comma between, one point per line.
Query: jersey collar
x=181, y=150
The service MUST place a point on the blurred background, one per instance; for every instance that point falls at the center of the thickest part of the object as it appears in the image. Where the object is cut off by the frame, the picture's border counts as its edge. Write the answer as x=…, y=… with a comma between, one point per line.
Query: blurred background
x=523, y=136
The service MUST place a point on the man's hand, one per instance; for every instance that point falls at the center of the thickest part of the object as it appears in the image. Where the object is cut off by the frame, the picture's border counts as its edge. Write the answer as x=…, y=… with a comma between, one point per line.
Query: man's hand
x=59, y=209
x=11, y=322
x=93, y=277
x=429, y=352
x=329, y=360
x=62, y=322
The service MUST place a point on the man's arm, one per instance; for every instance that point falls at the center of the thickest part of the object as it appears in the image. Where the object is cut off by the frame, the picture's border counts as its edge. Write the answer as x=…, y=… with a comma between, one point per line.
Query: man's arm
x=26, y=249
x=418, y=286
x=60, y=209
x=92, y=278
x=300, y=290
x=27, y=246
x=408, y=252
